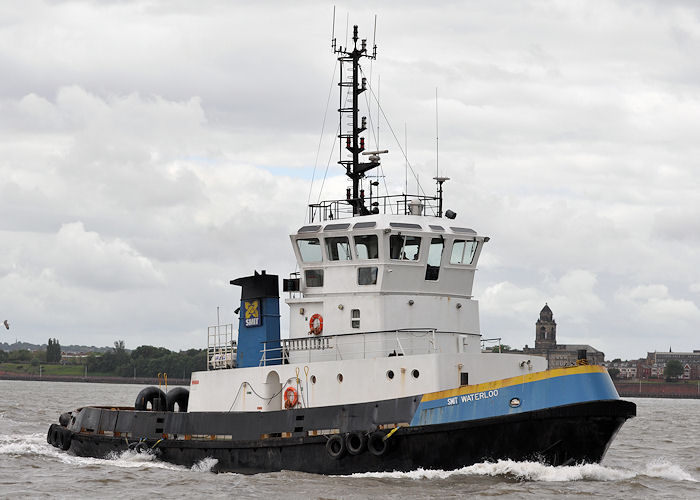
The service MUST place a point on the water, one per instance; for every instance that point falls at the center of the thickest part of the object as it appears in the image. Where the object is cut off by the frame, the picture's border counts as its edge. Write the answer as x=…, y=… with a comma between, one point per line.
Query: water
x=654, y=455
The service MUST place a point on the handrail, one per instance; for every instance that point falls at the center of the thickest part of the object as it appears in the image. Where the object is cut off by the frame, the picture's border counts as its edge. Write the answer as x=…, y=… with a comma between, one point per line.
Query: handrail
x=355, y=346
x=221, y=347
x=396, y=204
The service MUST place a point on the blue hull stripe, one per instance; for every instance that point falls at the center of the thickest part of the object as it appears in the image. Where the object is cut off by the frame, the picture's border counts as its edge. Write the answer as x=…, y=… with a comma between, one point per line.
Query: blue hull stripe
x=535, y=395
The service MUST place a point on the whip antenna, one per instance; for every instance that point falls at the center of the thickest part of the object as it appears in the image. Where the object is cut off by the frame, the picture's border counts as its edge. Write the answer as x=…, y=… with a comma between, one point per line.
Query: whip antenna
x=437, y=144
x=374, y=38
x=333, y=31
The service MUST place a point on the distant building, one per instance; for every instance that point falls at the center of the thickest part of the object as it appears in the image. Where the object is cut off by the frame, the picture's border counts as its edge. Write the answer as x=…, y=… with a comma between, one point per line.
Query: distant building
x=689, y=360
x=558, y=355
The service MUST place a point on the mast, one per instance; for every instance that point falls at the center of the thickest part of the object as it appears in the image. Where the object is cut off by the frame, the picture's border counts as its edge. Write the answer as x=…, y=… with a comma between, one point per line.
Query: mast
x=351, y=139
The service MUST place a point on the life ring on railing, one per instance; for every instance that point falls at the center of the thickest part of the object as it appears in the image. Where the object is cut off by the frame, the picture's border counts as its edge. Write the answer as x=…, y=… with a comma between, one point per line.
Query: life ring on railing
x=291, y=398
x=316, y=324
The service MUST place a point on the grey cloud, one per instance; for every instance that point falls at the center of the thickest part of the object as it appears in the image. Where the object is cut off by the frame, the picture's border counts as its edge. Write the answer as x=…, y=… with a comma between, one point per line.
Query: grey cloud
x=569, y=131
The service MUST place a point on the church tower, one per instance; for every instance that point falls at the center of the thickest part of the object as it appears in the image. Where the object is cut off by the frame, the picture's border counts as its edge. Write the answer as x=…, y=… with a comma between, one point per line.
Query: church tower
x=546, y=330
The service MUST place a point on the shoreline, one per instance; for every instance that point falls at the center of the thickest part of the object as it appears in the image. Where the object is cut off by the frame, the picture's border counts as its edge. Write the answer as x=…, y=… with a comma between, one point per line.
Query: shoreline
x=93, y=380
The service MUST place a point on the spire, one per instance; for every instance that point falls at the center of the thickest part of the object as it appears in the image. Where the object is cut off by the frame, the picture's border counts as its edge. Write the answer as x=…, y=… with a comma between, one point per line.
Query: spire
x=546, y=313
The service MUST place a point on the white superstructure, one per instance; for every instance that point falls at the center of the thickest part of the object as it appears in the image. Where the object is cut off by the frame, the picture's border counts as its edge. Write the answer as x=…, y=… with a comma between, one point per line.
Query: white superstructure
x=381, y=308
x=394, y=294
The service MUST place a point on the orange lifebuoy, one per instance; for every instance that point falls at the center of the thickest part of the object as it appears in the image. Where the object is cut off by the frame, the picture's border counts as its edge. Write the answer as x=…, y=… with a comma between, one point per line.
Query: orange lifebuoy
x=290, y=401
x=316, y=324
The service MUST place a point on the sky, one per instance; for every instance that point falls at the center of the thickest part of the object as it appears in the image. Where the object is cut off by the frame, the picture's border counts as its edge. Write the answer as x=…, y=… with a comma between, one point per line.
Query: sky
x=151, y=151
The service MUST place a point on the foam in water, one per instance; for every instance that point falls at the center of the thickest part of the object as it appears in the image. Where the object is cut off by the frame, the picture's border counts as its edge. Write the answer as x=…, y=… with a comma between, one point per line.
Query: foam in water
x=205, y=465
x=666, y=470
x=535, y=471
x=35, y=444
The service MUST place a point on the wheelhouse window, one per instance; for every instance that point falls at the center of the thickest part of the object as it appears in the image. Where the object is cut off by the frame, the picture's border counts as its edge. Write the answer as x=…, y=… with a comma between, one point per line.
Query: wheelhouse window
x=404, y=247
x=367, y=275
x=314, y=277
x=309, y=249
x=437, y=245
x=366, y=246
x=338, y=248
x=463, y=251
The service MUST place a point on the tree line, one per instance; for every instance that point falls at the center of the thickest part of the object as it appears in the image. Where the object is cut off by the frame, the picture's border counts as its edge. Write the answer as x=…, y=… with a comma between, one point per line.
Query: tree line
x=144, y=361
x=147, y=361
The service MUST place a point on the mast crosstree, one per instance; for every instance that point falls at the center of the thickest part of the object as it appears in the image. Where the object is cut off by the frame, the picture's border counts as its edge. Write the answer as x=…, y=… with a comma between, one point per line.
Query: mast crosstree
x=352, y=147
x=350, y=139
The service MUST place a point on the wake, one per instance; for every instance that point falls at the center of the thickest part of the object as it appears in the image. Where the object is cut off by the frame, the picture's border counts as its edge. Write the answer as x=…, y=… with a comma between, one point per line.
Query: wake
x=535, y=471
x=35, y=445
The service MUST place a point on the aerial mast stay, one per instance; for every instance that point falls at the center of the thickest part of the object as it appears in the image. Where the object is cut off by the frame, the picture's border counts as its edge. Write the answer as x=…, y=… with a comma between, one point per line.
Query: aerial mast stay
x=350, y=139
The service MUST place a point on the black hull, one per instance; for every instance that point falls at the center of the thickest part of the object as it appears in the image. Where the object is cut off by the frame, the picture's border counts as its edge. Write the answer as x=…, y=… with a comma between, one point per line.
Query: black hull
x=558, y=436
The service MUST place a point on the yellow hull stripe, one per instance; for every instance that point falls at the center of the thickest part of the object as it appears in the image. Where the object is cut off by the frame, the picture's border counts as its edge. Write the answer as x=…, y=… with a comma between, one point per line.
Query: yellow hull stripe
x=520, y=379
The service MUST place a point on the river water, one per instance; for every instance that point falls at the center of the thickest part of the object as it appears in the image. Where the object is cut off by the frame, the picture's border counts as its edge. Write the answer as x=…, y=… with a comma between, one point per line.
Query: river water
x=655, y=455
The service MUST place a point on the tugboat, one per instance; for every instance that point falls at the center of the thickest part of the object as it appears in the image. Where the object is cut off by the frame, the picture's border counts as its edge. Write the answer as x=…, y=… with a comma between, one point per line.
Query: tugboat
x=383, y=369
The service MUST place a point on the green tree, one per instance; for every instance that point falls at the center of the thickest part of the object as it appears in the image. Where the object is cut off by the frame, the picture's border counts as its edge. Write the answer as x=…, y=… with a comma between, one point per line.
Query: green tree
x=614, y=373
x=53, y=351
x=673, y=369
x=119, y=346
x=3, y=356
x=20, y=355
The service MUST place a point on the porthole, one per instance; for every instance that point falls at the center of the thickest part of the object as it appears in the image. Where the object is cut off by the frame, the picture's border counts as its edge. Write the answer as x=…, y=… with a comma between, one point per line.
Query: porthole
x=415, y=373
x=390, y=374
x=313, y=379
x=340, y=377
x=514, y=403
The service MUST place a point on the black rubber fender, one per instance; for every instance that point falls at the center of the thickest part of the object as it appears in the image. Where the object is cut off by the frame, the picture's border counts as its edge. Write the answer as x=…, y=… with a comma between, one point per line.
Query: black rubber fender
x=64, y=419
x=335, y=446
x=67, y=438
x=63, y=438
x=55, y=435
x=51, y=435
x=141, y=447
x=178, y=395
x=356, y=442
x=376, y=444
x=153, y=395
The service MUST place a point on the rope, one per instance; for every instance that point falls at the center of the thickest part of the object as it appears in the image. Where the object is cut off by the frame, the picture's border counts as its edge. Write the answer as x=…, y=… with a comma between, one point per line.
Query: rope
x=390, y=433
x=374, y=135
x=320, y=139
x=330, y=156
x=396, y=139
x=269, y=400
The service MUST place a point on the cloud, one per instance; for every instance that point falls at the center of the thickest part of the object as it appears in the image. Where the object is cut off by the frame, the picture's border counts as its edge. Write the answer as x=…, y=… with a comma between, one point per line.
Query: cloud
x=83, y=258
x=654, y=303
x=151, y=152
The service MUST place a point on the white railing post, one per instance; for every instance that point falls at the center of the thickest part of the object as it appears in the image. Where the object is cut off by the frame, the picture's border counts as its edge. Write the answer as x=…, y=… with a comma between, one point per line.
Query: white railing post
x=399, y=342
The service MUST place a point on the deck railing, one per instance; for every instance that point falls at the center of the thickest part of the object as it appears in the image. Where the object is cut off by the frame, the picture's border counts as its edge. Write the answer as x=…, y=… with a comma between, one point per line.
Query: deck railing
x=221, y=347
x=353, y=346
x=399, y=204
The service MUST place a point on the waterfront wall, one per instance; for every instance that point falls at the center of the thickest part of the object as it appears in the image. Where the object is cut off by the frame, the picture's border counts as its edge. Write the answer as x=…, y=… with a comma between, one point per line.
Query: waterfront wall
x=658, y=390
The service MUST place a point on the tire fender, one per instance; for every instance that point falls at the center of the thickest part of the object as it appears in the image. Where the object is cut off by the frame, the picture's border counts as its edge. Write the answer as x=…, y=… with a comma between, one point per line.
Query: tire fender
x=376, y=444
x=335, y=446
x=356, y=442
